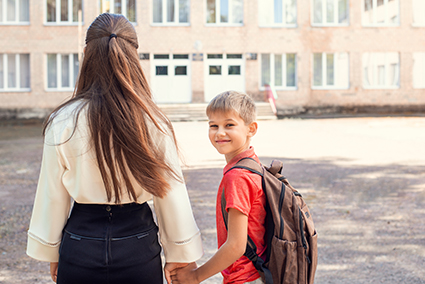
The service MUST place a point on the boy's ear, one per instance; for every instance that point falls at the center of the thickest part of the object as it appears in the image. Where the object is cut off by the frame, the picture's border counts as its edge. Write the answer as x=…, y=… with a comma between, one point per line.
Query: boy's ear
x=253, y=126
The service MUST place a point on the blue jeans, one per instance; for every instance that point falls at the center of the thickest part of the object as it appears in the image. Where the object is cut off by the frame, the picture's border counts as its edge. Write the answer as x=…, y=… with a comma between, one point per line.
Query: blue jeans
x=110, y=244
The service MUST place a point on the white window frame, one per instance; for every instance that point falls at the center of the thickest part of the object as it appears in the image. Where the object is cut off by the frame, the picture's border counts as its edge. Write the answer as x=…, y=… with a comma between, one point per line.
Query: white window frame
x=123, y=8
x=278, y=25
x=59, y=87
x=418, y=11
x=58, y=22
x=4, y=20
x=284, y=86
x=18, y=74
x=176, y=15
x=375, y=68
x=374, y=23
x=324, y=85
x=217, y=15
x=335, y=16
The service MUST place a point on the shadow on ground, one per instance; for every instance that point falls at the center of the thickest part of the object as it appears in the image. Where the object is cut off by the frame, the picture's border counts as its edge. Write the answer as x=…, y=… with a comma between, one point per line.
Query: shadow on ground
x=370, y=219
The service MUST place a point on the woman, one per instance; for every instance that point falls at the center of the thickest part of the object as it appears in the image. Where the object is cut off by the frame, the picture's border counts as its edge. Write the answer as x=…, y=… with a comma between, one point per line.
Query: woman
x=107, y=151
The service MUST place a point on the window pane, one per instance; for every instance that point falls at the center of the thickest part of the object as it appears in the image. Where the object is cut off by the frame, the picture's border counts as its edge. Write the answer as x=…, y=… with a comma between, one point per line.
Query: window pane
x=278, y=75
x=180, y=70
x=11, y=8
x=234, y=70
x=215, y=56
x=330, y=70
x=24, y=13
x=161, y=70
x=105, y=6
x=290, y=70
x=224, y=11
x=230, y=56
x=131, y=10
x=76, y=68
x=291, y=11
x=1, y=12
x=211, y=13
x=317, y=69
x=1, y=72
x=330, y=11
x=51, y=71
x=265, y=69
x=381, y=75
x=180, y=56
x=317, y=14
x=161, y=56
x=342, y=11
x=118, y=7
x=76, y=5
x=215, y=69
x=237, y=11
x=393, y=12
x=64, y=10
x=65, y=70
x=368, y=11
x=11, y=71
x=24, y=70
x=278, y=11
x=170, y=11
x=184, y=11
x=51, y=10
x=393, y=74
x=157, y=11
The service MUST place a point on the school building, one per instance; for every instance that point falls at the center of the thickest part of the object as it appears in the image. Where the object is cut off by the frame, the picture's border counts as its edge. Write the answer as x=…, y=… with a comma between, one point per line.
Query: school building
x=329, y=55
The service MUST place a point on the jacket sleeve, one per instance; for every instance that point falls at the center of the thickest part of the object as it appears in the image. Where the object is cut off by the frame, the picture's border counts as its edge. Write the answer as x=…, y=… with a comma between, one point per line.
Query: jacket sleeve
x=179, y=234
x=51, y=206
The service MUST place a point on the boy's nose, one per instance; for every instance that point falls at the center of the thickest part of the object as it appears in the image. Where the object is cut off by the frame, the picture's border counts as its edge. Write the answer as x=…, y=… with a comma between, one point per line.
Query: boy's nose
x=221, y=132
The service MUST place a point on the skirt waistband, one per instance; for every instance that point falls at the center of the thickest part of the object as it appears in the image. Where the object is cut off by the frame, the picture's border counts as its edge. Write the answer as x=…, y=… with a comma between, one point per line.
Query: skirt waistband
x=112, y=208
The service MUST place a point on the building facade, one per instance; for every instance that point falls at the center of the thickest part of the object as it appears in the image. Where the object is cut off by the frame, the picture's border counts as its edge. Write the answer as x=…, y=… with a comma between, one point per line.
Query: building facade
x=313, y=53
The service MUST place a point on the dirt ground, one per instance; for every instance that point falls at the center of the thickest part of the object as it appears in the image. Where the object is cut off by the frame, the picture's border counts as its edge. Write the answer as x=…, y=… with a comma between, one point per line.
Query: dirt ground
x=363, y=178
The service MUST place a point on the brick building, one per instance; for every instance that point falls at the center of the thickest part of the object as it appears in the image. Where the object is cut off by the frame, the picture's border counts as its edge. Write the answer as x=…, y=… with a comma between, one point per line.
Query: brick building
x=337, y=54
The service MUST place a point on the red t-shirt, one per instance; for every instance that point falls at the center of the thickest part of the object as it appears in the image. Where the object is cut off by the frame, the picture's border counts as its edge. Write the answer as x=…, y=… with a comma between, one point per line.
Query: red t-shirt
x=243, y=192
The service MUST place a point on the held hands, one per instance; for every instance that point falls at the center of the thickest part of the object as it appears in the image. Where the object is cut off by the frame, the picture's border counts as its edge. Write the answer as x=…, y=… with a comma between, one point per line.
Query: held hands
x=183, y=274
x=54, y=271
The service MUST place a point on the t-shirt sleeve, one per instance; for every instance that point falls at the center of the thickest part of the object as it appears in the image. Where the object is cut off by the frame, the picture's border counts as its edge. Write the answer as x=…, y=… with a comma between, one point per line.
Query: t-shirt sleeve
x=240, y=191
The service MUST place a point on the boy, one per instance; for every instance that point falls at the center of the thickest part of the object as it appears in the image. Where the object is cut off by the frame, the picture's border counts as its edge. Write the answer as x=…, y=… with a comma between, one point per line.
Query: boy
x=231, y=126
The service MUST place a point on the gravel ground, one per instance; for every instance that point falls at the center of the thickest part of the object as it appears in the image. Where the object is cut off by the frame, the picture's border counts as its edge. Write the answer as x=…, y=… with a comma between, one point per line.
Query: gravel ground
x=364, y=180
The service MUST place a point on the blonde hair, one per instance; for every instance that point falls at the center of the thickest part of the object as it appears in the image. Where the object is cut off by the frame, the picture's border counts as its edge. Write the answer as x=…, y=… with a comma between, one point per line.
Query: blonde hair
x=234, y=101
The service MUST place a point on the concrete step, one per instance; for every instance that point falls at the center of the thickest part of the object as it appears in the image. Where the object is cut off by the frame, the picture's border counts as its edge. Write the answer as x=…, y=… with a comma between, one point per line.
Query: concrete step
x=196, y=112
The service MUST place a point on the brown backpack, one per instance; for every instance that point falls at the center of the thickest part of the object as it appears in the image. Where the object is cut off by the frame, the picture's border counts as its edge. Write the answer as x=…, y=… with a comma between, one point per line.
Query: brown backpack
x=291, y=253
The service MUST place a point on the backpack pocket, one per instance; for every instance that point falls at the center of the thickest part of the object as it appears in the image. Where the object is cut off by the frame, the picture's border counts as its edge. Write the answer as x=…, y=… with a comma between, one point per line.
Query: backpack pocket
x=283, y=261
x=313, y=256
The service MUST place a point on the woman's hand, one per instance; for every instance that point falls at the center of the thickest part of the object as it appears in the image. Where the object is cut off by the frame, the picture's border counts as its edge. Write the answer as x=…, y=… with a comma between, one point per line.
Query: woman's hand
x=54, y=271
x=185, y=275
x=171, y=266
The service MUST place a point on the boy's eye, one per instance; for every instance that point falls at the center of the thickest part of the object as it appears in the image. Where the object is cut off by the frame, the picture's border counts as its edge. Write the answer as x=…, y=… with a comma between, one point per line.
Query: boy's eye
x=230, y=125
x=213, y=126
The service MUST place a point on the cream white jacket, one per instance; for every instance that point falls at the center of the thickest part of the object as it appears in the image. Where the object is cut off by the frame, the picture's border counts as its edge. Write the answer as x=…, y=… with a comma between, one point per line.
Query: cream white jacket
x=69, y=172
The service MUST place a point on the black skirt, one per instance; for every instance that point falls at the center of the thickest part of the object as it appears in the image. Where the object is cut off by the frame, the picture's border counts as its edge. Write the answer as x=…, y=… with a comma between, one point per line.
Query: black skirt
x=110, y=244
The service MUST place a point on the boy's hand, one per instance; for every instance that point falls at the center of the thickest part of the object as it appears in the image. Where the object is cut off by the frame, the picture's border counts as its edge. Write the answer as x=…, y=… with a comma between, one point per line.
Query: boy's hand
x=185, y=275
x=54, y=271
x=172, y=266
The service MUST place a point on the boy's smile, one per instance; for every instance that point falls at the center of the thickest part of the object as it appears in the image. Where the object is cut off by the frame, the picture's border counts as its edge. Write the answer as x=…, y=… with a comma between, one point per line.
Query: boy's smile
x=229, y=134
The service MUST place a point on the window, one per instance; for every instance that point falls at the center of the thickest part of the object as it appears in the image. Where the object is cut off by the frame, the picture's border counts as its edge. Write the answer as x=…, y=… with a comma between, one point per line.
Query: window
x=418, y=12
x=381, y=12
x=225, y=12
x=123, y=7
x=419, y=70
x=62, y=11
x=330, y=12
x=14, y=12
x=279, y=70
x=381, y=70
x=330, y=71
x=277, y=13
x=171, y=12
x=14, y=72
x=62, y=71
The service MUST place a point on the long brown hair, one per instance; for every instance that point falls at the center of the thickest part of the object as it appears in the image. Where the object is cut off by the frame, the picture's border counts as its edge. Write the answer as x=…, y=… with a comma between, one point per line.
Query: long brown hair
x=111, y=82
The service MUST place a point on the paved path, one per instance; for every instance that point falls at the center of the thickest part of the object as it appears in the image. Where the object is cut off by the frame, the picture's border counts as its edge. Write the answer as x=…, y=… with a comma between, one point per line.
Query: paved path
x=364, y=179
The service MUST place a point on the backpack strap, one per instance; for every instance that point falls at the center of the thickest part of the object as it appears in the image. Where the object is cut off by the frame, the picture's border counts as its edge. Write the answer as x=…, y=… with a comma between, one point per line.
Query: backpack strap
x=251, y=249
